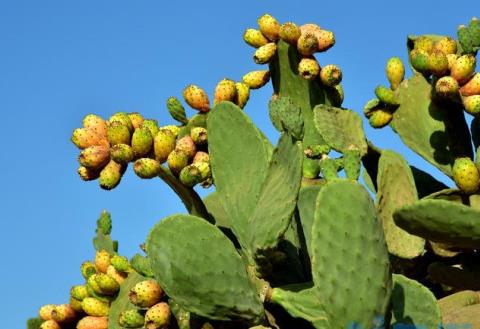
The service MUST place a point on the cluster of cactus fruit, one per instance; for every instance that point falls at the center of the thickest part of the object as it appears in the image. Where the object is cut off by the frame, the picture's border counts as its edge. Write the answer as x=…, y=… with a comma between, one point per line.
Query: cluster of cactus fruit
x=286, y=240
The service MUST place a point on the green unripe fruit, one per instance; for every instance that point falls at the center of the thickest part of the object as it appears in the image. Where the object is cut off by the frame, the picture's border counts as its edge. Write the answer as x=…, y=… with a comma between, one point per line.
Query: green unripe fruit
x=158, y=316
x=395, y=71
x=190, y=176
x=145, y=293
x=197, y=98
x=100, y=297
x=370, y=107
x=308, y=68
x=107, y=284
x=88, y=174
x=329, y=169
x=472, y=87
x=76, y=305
x=176, y=109
x=63, y=313
x=465, y=38
x=151, y=125
x=102, y=260
x=466, y=175
x=104, y=223
x=121, y=153
x=463, y=68
x=199, y=135
x=256, y=79
x=50, y=324
x=447, y=45
x=85, y=137
x=123, y=118
x=474, y=28
x=290, y=32
x=110, y=175
x=118, y=133
x=380, y=118
x=254, y=38
x=242, y=95
x=204, y=168
x=330, y=75
x=187, y=146
x=131, y=319
x=163, y=144
x=177, y=160
x=95, y=123
x=311, y=168
x=269, y=27
x=446, y=88
x=141, y=264
x=88, y=269
x=419, y=59
x=423, y=43
x=352, y=164
x=142, y=142
x=265, y=53
x=45, y=312
x=225, y=91
x=94, y=157
x=120, y=263
x=136, y=119
x=95, y=307
x=147, y=168
x=93, y=322
x=79, y=292
x=438, y=63
x=472, y=104
x=386, y=96
x=92, y=285
x=307, y=44
x=201, y=157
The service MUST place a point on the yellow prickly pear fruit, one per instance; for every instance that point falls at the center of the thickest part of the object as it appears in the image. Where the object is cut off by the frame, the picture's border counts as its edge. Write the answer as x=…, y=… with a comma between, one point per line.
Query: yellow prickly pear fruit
x=95, y=123
x=472, y=104
x=118, y=133
x=308, y=68
x=242, y=95
x=45, y=312
x=204, y=168
x=269, y=27
x=120, y=263
x=199, y=135
x=254, y=38
x=265, y=53
x=85, y=137
x=395, y=71
x=121, y=153
x=136, y=119
x=117, y=275
x=380, y=118
x=197, y=98
x=326, y=40
x=452, y=58
x=102, y=261
x=438, y=63
x=256, y=79
x=142, y=142
x=94, y=307
x=94, y=157
x=466, y=175
x=447, y=45
x=88, y=269
x=50, y=324
x=107, y=284
x=92, y=286
x=472, y=87
x=79, y=292
x=225, y=91
x=463, y=68
x=63, y=313
x=423, y=43
x=110, y=175
x=172, y=128
x=152, y=125
x=76, y=305
x=123, y=118
x=93, y=322
x=147, y=168
x=446, y=87
x=145, y=293
x=307, y=44
x=163, y=144
x=177, y=160
x=290, y=32
x=386, y=95
x=190, y=176
x=201, y=157
x=330, y=75
x=158, y=316
x=187, y=146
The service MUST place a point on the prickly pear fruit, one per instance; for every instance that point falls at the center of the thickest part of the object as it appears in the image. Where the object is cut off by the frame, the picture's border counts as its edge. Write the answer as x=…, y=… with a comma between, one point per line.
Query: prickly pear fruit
x=63, y=313
x=352, y=164
x=307, y=44
x=269, y=27
x=95, y=307
x=92, y=286
x=117, y=275
x=123, y=118
x=308, y=68
x=110, y=175
x=131, y=319
x=172, y=128
x=326, y=40
x=452, y=58
x=164, y=143
x=85, y=137
x=158, y=316
x=423, y=43
x=395, y=71
x=446, y=87
x=50, y=324
x=199, y=135
x=176, y=109
x=187, y=146
x=136, y=119
x=380, y=118
x=190, y=176
x=88, y=174
x=311, y=168
x=88, y=269
x=386, y=95
x=204, y=168
x=290, y=32
x=201, y=157
x=118, y=133
x=254, y=38
x=142, y=141
x=94, y=157
x=242, y=95
x=371, y=106
x=330, y=75
x=265, y=53
x=76, y=304
x=102, y=261
x=45, y=312
x=329, y=169
x=466, y=175
x=463, y=68
x=315, y=151
x=145, y=293
x=120, y=263
x=472, y=87
x=177, y=160
x=152, y=125
x=465, y=39
x=79, y=292
x=107, y=284
x=419, y=60
x=95, y=123
x=147, y=168
x=256, y=79
x=225, y=91
x=121, y=153
x=336, y=95
x=472, y=104
x=447, y=45
x=197, y=98
x=438, y=63
x=207, y=325
x=93, y=322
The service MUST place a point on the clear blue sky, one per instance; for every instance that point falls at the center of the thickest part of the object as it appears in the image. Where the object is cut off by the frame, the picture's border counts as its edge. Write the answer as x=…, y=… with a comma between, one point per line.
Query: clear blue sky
x=60, y=60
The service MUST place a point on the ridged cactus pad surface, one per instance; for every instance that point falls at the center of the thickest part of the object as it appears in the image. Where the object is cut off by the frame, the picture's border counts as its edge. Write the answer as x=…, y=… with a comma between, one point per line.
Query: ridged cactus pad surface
x=307, y=200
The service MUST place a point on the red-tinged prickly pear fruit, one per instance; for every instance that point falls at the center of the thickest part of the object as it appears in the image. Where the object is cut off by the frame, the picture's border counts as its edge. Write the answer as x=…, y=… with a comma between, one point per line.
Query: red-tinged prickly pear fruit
x=290, y=32
x=163, y=145
x=147, y=168
x=88, y=269
x=151, y=125
x=201, y=157
x=452, y=58
x=79, y=292
x=199, y=135
x=158, y=316
x=197, y=98
x=190, y=176
x=254, y=38
x=204, y=168
x=45, y=312
x=107, y=284
x=386, y=95
x=123, y=118
x=395, y=71
x=330, y=75
x=131, y=319
x=419, y=60
x=172, y=128
x=466, y=175
x=265, y=53
x=326, y=40
x=142, y=142
x=472, y=104
x=118, y=133
x=307, y=44
x=94, y=157
x=311, y=28
x=93, y=322
x=94, y=307
x=63, y=313
x=110, y=175
x=50, y=324
x=120, y=263
x=447, y=45
x=423, y=43
x=88, y=174
x=85, y=137
x=463, y=68
x=95, y=123
x=136, y=119
x=76, y=305
x=438, y=63
x=145, y=293
x=121, y=153
x=380, y=118
x=242, y=95
x=269, y=27
x=225, y=91
x=117, y=275
x=472, y=87
x=187, y=146
x=256, y=79
x=446, y=88
x=308, y=68
x=102, y=261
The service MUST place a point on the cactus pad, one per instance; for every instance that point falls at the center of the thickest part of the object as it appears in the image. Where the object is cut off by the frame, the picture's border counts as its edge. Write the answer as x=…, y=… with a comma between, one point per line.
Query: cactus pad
x=286, y=116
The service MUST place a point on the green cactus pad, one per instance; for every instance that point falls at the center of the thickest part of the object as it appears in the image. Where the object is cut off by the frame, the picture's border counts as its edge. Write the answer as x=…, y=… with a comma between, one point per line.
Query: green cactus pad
x=441, y=221
x=122, y=302
x=341, y=129
x=396, y=188
x=182, y=316
x=34, y=323
x=278, y=196
x=206, y=276
x=306, y=204
x=466, y=316
x=102, y=240
x=286, y=116
x=436, y=133
x=458, y=300
x=142, y=265
x=350, y=265
x=413, y=304
x=237, y=150
x=454, y=277
x=215, y=208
